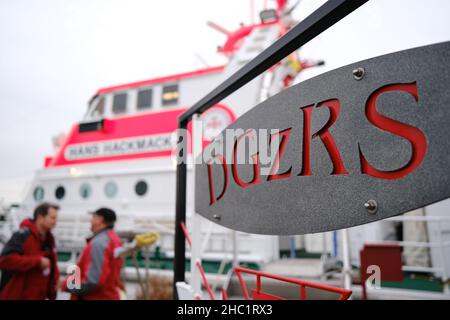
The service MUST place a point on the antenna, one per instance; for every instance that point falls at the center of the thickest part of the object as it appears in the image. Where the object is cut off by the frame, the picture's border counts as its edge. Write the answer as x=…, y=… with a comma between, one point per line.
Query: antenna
x=252, y=12
x=289, y=11
x=201, y=59
x=216, y=27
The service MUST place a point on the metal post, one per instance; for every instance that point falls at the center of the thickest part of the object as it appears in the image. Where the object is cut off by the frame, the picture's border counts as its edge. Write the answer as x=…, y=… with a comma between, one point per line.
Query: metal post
x=442, y=249
x=180, y=210
x=293, y=249
x=324, y=255
x=347, y=268
x=196, y=222
x=324, y=246
x=335, y=244
x=235, y=248
x=146, y=251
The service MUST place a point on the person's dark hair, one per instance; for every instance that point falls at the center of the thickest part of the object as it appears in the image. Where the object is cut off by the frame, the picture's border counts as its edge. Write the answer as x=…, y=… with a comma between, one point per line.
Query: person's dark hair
x=109, y=216
x=42, y=209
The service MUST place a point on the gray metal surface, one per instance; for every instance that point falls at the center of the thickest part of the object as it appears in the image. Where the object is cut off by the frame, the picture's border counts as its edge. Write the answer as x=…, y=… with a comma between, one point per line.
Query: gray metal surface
x=322, y=201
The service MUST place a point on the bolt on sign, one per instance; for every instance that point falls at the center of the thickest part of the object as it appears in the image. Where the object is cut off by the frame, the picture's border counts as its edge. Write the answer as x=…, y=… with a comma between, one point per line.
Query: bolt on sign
x=357, y=144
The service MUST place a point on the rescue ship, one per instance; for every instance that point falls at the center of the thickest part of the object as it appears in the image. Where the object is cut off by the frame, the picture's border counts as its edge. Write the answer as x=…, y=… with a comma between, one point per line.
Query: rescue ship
x=119, y=154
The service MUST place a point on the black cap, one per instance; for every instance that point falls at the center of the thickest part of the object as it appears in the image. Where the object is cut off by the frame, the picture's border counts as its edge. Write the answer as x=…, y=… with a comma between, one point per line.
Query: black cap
x=108, y=215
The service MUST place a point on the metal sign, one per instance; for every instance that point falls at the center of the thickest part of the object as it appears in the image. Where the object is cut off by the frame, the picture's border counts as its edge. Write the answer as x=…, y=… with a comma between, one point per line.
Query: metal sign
x=358, y=144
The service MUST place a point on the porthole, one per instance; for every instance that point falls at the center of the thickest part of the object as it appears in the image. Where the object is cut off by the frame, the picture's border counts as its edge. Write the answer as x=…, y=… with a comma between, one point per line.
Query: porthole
x=38, y=193
x=85, y=190
x=60, y=192
x=141, y=188
x=111, y=189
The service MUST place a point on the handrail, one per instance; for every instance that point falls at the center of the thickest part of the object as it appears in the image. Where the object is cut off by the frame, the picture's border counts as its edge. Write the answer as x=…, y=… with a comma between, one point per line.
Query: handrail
x=440, y=244
x=344, y=294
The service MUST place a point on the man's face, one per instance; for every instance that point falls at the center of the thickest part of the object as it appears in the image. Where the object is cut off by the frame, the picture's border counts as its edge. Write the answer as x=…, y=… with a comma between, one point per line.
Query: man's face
x=97, y=223
x=49, y=221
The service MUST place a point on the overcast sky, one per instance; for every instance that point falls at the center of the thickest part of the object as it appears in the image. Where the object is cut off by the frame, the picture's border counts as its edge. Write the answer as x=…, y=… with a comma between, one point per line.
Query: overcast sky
x=55, y=54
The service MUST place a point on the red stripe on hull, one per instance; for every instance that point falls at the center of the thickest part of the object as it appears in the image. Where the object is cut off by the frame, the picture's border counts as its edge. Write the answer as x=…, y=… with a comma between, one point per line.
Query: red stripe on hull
x=133, y=127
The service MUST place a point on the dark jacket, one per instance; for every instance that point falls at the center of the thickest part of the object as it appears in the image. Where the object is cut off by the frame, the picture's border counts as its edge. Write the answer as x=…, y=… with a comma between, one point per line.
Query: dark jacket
x=20, y=261
x=99, y=269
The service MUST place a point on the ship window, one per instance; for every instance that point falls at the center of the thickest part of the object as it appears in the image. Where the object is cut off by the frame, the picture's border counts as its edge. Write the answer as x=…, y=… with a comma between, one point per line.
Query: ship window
x=99, y=109
x=144, y=100
x=85, y=190
x=120, y=103
x=111, y=189
x=170, y=95
x=60, y=192
x=267, y=16
x=38, y=193
x=141, y=188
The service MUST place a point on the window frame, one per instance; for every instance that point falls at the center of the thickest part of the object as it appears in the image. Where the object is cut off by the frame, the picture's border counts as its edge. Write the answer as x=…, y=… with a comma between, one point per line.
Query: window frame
x=125, y=110
x=145, y=185
x=85, y=186
x=115, y=193
x=36, y=188
x=171, y=102
x=94, y=107
x=61, y=188
x=146, y=108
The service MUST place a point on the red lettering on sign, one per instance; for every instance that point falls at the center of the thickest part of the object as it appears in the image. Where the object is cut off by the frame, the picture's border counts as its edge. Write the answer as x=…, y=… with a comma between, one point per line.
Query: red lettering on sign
x=324, y=134
x=210, y=179
x=412, y=134
x=284, y=136
x=306, y=160
x=256, y=176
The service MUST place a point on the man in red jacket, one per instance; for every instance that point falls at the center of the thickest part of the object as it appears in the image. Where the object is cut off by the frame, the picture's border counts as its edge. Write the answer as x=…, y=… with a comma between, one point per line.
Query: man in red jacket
x=99, y=268
x=28, y=261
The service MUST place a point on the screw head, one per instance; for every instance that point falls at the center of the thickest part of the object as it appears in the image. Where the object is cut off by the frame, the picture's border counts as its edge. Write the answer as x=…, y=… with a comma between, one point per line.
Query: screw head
x=371, y=206
x=358, y=73
x=216, y=217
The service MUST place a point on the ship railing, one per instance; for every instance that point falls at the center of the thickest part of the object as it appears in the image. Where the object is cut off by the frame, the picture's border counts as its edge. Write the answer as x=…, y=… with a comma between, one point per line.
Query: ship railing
x=70, y=235
x=439, y=266
x=71, y=232
x=9, y=224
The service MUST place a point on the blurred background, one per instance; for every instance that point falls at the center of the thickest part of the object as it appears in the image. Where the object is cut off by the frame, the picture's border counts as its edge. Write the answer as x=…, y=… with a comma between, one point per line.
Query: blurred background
x=55, y=55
